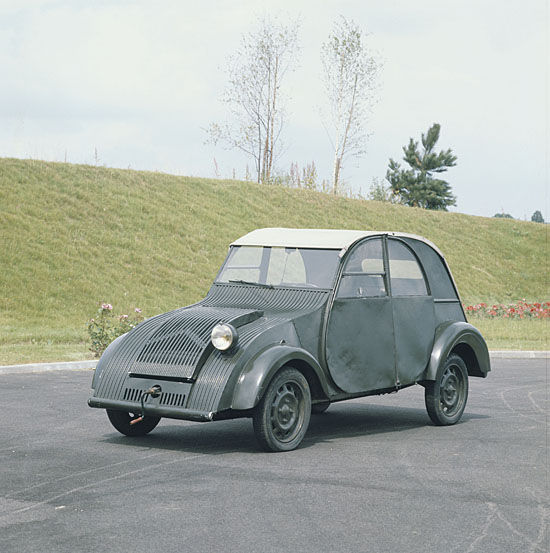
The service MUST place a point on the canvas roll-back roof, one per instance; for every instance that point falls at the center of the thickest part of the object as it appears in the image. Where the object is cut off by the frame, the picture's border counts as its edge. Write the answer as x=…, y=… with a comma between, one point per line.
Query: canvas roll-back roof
x=331, y=239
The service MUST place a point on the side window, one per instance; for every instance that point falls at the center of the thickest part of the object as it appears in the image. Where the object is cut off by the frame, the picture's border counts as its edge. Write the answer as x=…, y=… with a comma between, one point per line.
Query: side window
x=364, y=272
x=405, y=272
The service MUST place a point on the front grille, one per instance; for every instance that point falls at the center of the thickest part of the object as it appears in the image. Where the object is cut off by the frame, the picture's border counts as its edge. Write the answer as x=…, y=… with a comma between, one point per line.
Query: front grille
x=182, y=343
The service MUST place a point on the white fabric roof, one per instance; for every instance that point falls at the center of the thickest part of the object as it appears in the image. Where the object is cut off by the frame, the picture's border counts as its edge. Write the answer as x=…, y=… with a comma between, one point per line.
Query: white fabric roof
x=314, y=238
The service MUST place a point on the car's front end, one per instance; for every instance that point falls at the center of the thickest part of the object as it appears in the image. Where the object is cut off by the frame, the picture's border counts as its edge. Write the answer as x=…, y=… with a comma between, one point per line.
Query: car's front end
x=189, y=363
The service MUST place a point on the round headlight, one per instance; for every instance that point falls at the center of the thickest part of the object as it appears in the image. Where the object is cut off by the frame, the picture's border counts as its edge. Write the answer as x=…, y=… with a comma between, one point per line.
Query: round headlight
x=224, y=336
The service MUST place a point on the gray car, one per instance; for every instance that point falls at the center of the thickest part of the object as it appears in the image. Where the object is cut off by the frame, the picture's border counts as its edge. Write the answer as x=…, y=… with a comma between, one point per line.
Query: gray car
x=297, y=319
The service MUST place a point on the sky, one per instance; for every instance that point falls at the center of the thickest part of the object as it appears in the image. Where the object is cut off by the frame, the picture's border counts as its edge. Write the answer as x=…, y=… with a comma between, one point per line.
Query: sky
x=136, y=83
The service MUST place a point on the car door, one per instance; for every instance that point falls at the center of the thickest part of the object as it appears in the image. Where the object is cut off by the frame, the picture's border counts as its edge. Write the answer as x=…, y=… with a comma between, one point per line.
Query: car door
x=413, y=312
x=360, y=338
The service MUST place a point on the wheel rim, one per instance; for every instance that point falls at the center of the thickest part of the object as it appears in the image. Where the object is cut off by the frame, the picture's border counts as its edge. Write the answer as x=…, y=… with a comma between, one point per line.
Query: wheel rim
x=451, y=391
x=287, y=412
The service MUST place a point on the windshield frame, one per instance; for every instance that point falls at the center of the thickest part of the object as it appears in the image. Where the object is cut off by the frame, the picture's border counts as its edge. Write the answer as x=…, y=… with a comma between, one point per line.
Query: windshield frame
x=328, y=280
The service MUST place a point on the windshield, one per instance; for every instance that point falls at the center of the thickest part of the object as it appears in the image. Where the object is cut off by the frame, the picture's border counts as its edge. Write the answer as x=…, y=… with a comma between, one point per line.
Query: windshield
x=280, y=266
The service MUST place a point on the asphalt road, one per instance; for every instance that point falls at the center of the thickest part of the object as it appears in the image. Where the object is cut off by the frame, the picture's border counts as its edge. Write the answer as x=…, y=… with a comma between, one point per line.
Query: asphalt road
x=372, y=475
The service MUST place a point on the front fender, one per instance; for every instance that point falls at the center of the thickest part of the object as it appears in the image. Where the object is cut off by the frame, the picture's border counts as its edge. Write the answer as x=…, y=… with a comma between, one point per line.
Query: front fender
x=104, y=360
x=465, y=340
x=259, y=371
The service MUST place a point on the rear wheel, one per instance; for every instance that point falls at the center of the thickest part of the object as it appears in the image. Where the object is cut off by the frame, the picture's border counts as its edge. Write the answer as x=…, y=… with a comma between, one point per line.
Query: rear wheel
x=446, y=397
x=282, y=416
x=121, y=421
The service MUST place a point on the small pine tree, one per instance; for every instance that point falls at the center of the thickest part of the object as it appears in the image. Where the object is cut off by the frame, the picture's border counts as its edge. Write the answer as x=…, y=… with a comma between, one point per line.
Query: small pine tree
x=309, y=176
x=537, y=217
x=378, y=192
x=417, y=186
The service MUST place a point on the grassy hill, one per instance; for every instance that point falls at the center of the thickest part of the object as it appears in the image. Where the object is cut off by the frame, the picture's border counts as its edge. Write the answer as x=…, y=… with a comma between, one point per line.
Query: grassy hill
x=74, y=235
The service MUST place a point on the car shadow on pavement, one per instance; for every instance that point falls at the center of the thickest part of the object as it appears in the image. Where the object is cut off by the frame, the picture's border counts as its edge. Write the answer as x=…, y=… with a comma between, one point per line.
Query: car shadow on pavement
x=368, y=420
x=339, y=422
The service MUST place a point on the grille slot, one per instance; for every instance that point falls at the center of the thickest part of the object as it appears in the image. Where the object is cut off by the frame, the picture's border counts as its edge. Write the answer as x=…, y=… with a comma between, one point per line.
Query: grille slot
x=172, y=400
x=169, y=399
x=132, y=394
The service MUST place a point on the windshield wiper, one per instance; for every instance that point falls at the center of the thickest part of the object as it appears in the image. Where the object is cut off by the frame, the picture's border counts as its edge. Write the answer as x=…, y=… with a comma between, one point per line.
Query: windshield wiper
x=252, y=283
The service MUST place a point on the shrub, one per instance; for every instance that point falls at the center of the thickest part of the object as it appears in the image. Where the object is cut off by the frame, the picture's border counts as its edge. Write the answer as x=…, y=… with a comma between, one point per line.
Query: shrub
x=106, y=326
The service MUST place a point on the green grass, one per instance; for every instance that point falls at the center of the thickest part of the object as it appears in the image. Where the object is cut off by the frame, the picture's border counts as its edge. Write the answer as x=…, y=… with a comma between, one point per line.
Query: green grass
x=527, y=334
x=75, y=235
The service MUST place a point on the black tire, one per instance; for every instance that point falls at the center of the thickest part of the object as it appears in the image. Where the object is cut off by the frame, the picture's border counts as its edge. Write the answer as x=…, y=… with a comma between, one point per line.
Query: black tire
x=446, y=397
x=319, y=408
x=121, y=421
x=281, y=418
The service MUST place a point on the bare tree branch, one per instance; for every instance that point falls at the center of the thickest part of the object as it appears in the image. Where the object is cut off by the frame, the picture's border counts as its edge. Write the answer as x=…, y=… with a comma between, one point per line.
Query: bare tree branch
x=254, y=95
x=350, y=76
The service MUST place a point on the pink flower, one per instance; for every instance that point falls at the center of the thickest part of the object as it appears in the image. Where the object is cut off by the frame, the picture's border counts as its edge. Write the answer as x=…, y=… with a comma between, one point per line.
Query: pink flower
x=123, y=317
x=106, y=306
x=137, y=310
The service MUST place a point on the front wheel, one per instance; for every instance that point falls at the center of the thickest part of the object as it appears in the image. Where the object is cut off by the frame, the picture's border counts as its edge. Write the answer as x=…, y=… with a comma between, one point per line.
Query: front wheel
x=121, y=421
x=446, y=397
x=281, y=418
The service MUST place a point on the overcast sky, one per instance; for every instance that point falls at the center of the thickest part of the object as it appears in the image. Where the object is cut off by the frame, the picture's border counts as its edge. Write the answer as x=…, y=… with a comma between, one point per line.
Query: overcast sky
x=140, y=80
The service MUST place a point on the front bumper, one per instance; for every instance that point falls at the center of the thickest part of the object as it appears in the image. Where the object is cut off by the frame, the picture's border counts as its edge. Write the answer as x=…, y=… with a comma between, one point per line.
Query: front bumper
x=152, y=410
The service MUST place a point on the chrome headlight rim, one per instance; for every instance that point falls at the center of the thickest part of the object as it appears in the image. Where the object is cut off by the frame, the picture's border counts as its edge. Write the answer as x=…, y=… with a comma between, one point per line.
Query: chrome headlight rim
x=224, y=337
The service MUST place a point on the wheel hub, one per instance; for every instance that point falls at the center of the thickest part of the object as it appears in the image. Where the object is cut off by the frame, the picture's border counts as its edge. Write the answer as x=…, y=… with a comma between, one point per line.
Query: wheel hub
x=450, y=390
x=285, y=412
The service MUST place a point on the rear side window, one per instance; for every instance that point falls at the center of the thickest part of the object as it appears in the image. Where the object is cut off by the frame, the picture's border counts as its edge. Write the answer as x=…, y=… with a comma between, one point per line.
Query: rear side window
x=441, y=285
x=405, y=272
x=364, y=274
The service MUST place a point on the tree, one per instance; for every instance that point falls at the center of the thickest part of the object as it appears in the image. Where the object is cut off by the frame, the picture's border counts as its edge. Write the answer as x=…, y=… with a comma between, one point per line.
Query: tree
x=254, y=94
x=417, y=186
x=537, y=217
x=502, y=215
x=350, y=77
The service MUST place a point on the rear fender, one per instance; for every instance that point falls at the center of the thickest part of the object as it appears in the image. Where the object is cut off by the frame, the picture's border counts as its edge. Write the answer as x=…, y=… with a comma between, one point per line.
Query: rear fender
x=259, y=371
x=464, y=340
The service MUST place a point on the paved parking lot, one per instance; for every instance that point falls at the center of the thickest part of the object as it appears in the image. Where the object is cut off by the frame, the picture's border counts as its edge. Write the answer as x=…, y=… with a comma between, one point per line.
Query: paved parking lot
x=372, y=475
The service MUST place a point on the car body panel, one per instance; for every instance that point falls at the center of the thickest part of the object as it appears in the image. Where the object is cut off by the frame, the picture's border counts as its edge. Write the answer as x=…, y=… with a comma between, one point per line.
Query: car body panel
x=259, y=371
x=359, y=356
x=413, y=320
